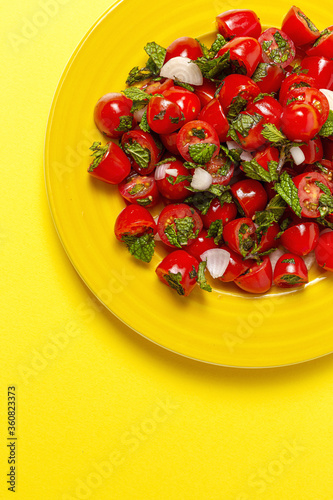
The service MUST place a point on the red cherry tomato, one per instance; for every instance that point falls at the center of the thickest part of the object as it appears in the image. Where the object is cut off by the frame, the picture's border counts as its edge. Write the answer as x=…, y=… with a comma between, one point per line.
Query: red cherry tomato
x=213, y=114
x=178, y=225
x=134, y=220
x=113, y=115
x=240, y=235
x=310, y=95
x=267, y=239
x=294, y=81
x=193, y=133
x=236, y=266
x=300, y=121
x=248, y=128
x=299, y=27
x=153, y=88
x=139, y=189
x=169, y=141
x=238, y=22
x=170, y=186
x=266, y=155
x=290, y=271
x=328, y=148
x=225, y=212
x=142, y=149
x=301, y=238
x=184, y=46
x=268, y=107
x=245, y=52
x=201, y=245
x=323, y=46
x=163, y=115
x=313, y=151
x=309, y=192
x=320, y=69
x=188, y=102
x=205, y=92
x=277, y=47
x=251, y=196
x=258, y=278
x=110, y=164
x=178, y=270
x=221, y=169
x=234, y=86
x=324, y=251
x=268, y=77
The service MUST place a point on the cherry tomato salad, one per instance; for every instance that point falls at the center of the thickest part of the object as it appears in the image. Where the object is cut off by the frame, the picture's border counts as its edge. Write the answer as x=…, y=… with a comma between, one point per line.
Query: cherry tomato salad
x=235, y=143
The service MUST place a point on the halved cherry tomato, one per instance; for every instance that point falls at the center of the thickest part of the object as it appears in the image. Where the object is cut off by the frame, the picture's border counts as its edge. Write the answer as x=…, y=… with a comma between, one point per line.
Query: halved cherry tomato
x=267, y=238
x=206, y=91
x=184, y=46
x=142, y=149
x=238, y=22
x=152, y=88
x=237, y=86
x=301, y=238
x=268, y=107
x=188, y=102
x=309, y=192
x=324, y=251
x=217, y=211
x=201, y=245
x=268, y=77
x=310, y=95
x=240, y=235
x=178, y=225
x=110, y=164
x=323, y=46
x=295, y=81
x=248, y=128
x=221, y=169
x=290, y=271
x=251, y=196
x=245, y=54
x=163, y=115
x=299, y=27
x=258, y=278
x=213, y=114
x=169, y=141
x=171, y=186
x=194, y=133
x=277, y=47
x=236, y=266
x=134, y=220
x=320, y=69
x=300, y=121
x=113, y=114
x=139, y=189
x=266, y=155
x=313, y=150
x=179, y=270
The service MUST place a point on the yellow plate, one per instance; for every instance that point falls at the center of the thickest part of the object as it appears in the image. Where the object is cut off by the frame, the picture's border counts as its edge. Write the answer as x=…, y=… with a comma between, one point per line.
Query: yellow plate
x=224, y=327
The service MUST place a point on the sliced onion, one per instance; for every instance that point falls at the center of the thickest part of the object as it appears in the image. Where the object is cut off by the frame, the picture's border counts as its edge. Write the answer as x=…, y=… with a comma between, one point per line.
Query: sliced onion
x=246, y=156
x=297, y=154
x=160, y=171
x=309, y=259
x=182, y=69
x=201, y=179
x=138, y=114
x=157, y=236
x=329, y=94
x=232, y=145
x=274, y=257
x=172, y=171
x=217, y=261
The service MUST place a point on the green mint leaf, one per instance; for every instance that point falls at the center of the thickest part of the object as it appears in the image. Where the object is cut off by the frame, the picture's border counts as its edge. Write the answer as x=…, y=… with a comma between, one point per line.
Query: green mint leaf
x=253, y=170
x=125, y=123
x=260, y=72
x=156, y=53
x=292, y=279
x=218, y=43
x=232, y=154
x=141, y=247
x=216, y=68
x=308, y=22
x=272, y=134
x=139, y=97
x=166, y=160
x=201, y=277
x=98, y=152
x=145, y=202
x=289, y=192
x=181, y=231
x=323, y=187
x=288, y=261
x=138, y=75
x=215, y=231
x=245, y=243
x=186, y=86
x=273, y=170
x=245, y=122
x=327, y=129
x=198, y=132
x=144, y=123
x=201, y=201
x=238, y=104
x=324, y=222
x=202, y=152
x=325, y=204
x=180, y=178
x=277, y=206
x=140, y=155
x=174, y=281
x=171, y=234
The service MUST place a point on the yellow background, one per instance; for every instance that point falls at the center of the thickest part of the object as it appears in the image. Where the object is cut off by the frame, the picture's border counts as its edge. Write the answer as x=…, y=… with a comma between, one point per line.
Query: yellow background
x=101, y=412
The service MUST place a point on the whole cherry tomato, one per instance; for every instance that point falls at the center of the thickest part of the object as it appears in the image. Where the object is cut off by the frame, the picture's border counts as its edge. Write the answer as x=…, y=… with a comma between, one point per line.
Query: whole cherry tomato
x=290, y=271
x=194, y=133
x=301, y=238
x=238, y=22
x=266, y=155
x=251, y=196
x=213, y=114
x=179, y=270
x=258, y=278
x=324, y=251
x=320, y=69
x=268, y=107
x=184, y=46
x=163, y=115
x=110, y=164
x=139, y=189
x=299, y=27
x=178, y=225
x=113, y=115
x=300, y=121
x=188, y=102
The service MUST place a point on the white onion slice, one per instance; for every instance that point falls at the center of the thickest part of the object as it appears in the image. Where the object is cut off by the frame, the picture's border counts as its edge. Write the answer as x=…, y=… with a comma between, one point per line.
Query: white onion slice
x=201, y=179
x=329, y=94
x=274, y=257
x=217, y=261
x=138, y=114
x=297, y=154
x=246, y=156
x=172, y=171
x=309, y=259
x=160, y=172
x=182, y=69
x=232, y=145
